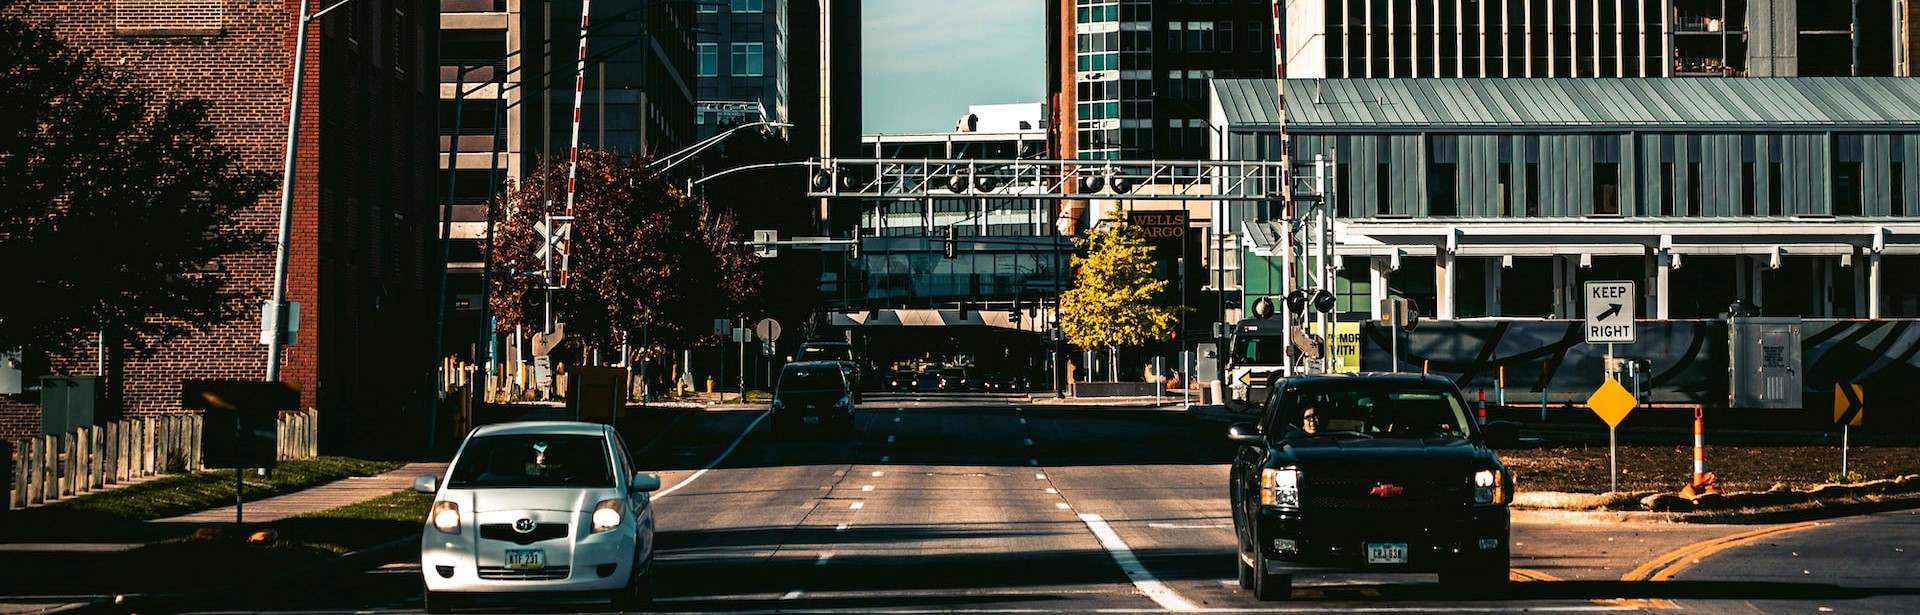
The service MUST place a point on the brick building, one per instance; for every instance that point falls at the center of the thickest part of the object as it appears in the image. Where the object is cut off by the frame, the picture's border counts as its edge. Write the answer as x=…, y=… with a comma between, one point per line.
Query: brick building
x=363, y=262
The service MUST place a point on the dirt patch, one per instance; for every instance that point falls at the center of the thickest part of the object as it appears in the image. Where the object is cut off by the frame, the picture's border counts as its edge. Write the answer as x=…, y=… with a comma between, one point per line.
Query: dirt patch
x=1665, y=469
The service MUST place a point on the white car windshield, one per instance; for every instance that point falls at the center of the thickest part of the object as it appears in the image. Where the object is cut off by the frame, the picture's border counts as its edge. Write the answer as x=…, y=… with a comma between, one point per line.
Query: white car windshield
x=533, y=460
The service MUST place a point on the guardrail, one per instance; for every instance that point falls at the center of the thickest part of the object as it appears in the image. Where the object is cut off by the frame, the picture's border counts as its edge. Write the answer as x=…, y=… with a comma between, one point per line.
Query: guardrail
x=48, y=468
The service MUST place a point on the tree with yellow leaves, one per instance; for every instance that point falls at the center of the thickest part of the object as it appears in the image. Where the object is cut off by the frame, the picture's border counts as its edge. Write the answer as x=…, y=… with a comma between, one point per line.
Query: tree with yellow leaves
x=1111, y=302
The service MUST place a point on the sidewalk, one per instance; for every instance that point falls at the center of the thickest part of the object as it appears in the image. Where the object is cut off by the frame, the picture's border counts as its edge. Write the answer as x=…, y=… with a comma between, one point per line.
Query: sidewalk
x=26, y=559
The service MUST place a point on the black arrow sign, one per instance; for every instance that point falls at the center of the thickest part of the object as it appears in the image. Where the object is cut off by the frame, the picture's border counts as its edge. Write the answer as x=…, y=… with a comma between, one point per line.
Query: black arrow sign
x=1852, y=412
x=1612, y=308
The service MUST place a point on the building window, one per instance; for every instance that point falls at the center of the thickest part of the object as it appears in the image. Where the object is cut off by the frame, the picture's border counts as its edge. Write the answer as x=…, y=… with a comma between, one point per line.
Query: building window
x=709, y=59
x=749, y=6
x=706, y=7
x=167, y=17
x=1443, y=157
x=747, y=59
x=1606, y=175
x=1848, y=192
x=1897, y=170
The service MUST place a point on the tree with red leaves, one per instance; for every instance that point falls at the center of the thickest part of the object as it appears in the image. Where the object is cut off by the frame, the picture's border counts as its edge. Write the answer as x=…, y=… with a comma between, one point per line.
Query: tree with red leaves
x=646, y=260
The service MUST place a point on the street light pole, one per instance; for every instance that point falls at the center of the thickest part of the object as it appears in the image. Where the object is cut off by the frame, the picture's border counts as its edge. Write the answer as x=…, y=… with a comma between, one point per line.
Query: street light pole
x=276, y=311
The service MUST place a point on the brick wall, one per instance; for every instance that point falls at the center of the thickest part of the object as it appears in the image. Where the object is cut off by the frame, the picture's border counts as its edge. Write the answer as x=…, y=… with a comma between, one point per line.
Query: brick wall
x=358, y=112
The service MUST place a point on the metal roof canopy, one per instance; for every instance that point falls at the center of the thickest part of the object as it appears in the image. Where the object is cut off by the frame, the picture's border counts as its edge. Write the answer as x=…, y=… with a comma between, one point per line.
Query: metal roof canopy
x=1747, y=103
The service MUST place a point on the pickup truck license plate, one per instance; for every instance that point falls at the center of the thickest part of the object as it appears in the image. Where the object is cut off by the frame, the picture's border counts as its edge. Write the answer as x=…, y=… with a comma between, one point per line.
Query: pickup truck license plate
x=526, y=558
x=810, y=420
x=1386, y=553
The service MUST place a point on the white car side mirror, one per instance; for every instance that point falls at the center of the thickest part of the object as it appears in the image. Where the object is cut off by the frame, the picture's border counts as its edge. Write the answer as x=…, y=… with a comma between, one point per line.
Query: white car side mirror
x=427, y=484
x=644, y=481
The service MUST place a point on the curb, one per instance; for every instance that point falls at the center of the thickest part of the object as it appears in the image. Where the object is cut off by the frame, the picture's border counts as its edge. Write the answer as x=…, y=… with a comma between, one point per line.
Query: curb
x=133, y=603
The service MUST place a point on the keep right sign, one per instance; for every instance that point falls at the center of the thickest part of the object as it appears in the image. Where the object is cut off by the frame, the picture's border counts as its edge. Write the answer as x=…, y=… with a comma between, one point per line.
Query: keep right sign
x=1610, y=310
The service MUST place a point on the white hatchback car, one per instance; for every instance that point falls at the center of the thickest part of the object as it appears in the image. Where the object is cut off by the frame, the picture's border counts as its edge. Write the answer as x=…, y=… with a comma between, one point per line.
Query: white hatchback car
x=539, y=507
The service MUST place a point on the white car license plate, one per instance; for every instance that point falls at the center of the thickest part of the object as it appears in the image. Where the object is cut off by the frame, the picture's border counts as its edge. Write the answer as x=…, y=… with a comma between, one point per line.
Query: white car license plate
x=1386, y=553
x=810, y=420
x=526, y=558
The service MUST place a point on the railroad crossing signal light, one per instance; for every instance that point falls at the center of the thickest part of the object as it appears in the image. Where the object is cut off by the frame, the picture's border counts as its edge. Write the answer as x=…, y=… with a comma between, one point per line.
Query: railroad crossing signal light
x=950, y=247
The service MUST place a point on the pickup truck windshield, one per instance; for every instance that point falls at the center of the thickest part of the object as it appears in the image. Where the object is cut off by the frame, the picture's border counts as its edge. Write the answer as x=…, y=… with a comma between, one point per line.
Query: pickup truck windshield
x=1379, y=410
x=826, y=353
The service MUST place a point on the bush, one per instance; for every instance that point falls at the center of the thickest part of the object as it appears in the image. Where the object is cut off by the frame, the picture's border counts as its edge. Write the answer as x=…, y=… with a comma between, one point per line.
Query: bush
x=1847, y=478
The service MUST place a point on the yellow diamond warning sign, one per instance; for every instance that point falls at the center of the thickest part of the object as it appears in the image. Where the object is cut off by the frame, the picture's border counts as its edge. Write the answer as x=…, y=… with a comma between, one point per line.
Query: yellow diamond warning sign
x=1612, y=402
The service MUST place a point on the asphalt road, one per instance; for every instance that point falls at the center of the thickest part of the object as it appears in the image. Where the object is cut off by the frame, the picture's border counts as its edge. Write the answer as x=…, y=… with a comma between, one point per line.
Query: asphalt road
x=984, y=504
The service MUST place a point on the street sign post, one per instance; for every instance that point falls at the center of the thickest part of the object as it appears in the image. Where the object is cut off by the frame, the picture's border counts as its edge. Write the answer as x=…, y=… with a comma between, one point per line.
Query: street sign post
x=1612, y=402
x=1849, y=409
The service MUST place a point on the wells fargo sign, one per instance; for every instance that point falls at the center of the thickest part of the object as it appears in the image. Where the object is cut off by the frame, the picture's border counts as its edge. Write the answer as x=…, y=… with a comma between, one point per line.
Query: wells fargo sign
x=1159, y=226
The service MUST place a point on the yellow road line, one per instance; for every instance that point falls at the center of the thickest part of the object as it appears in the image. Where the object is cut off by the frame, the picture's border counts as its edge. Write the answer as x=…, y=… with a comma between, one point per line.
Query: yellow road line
x=1665, y=566
x=1528, y=574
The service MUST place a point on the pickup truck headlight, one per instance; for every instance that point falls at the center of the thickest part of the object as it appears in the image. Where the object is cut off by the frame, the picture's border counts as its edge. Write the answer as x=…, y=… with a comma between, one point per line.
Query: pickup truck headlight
x=445, y=516
x=1280, y=487
x=608, y=515
x=1490, y=487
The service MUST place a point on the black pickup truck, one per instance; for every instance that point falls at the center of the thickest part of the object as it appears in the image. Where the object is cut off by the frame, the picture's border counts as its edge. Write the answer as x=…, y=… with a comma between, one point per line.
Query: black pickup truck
x=1372, y=472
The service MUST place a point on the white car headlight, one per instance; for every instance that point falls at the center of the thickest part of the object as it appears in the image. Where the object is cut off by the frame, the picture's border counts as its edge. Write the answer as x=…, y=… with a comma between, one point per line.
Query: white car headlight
x=608, y=515
x=1280, y=487
x=445, y=516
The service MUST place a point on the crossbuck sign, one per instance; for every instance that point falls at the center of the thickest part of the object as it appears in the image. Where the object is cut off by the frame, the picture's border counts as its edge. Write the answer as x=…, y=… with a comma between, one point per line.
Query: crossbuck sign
x=1610, y=310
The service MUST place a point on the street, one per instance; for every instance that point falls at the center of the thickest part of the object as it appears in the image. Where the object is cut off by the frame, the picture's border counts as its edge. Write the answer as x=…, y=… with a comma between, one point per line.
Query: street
x=980, y=504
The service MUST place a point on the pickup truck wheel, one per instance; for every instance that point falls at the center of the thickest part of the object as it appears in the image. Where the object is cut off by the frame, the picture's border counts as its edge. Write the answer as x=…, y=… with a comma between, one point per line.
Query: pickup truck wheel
x=1269, y=586
x=1247, y=572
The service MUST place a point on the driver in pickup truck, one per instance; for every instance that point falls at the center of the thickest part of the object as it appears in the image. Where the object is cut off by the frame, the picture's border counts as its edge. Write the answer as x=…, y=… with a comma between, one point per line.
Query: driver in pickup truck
x=1309, y=420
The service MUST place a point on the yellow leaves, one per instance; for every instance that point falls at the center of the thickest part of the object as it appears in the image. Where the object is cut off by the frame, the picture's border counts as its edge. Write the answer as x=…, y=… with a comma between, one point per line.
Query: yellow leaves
x=1111, y=302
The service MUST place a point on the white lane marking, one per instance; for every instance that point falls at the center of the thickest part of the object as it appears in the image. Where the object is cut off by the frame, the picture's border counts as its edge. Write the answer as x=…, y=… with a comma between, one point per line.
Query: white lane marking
x=1039, y=477
x=866, y=487
x=822, y=561
x=1052, y=490
x=1023, y=420
x=858, y=505
x=1142, y=578
x=1189, y=526
x=1033, y=462
x=1029, y=441
x=1062, y=505
x=791, y=595
x=879, y=473
x=889, y=438
x=896, y=419
x=883, y=459
x=716, y=461
x=842, y=527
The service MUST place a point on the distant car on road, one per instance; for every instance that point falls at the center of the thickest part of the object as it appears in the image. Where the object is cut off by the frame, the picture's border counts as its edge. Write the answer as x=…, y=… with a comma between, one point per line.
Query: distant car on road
x=1374, y=472
x=812, y=395
x=840, y=352
x=539, y=507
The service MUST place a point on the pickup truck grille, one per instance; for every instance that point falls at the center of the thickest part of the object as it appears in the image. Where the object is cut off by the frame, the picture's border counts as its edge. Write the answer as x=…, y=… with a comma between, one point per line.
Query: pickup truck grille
x=1323, y=492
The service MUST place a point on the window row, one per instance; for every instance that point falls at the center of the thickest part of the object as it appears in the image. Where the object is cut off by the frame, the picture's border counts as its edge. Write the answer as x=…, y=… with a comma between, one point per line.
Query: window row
x=748, y=59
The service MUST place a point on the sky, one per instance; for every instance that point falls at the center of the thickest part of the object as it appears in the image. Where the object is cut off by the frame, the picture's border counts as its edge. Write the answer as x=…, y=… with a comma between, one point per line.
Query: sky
x=924, y=61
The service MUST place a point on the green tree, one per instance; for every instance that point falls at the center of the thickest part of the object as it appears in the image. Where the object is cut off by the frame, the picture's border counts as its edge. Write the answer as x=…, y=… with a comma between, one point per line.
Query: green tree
x=119, y=207
x=1111, y=302
x=646, y=260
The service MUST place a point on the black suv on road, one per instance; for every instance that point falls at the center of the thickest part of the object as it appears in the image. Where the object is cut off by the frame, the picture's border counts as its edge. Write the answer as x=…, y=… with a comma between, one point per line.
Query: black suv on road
x=1372, y=472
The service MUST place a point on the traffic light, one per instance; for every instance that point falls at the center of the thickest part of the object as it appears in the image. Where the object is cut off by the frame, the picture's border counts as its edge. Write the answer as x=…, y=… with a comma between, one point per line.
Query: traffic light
x=951, y=246
x=853, y=249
